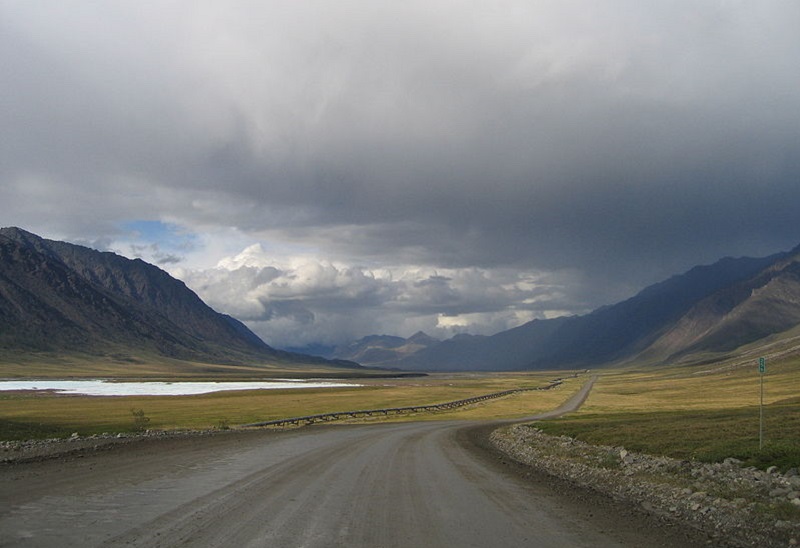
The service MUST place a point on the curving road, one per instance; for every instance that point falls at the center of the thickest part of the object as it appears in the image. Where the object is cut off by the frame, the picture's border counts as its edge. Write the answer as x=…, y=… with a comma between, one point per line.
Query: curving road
x=383, y=485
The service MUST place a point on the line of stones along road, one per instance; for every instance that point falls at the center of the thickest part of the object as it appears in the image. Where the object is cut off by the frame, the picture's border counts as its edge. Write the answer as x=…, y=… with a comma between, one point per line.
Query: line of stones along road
x=328, y=417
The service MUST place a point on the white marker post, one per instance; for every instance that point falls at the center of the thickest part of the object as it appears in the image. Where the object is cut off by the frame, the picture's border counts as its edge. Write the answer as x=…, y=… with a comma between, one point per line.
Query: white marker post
x=762, y=369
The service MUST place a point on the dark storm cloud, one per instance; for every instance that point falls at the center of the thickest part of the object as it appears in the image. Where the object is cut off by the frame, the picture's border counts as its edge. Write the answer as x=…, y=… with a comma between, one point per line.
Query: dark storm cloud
x=606, y=139
x=621, y=141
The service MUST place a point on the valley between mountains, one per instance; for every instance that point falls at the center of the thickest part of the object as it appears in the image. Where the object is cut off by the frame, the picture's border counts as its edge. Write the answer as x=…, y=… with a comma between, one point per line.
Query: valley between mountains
x=331, y=274
x=61, y=302
x=179, y=470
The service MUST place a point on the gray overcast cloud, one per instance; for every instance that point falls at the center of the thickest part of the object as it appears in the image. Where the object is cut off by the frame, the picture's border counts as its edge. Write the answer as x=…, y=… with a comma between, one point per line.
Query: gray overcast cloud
x=344, y=168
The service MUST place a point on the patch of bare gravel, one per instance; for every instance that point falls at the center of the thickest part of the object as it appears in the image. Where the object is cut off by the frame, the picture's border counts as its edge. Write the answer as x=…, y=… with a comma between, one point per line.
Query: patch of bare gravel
x=736, y=505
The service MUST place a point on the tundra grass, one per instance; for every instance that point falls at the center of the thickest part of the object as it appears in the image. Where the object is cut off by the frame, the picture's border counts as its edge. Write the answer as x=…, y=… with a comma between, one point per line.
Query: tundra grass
x=709, y=436
x=690, y=413
x=25, y=415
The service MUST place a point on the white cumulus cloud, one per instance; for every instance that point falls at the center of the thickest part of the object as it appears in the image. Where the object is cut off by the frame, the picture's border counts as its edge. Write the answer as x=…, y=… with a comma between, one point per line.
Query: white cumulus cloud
x=304, y=301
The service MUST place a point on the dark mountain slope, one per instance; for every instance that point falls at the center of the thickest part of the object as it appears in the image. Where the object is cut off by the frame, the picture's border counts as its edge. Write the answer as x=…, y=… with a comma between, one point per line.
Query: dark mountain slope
x=618, y=331
x=48, y=307
x=745, y=312
x=151, y=289
x=606, y=335
x=60, y=297
x=508, y=350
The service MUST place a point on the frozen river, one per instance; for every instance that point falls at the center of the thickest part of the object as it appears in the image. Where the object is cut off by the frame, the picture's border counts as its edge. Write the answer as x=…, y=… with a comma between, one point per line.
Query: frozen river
x=113, y=388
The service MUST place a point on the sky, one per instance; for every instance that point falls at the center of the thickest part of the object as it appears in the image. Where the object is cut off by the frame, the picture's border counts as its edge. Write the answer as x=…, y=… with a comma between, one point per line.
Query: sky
x=329, y=170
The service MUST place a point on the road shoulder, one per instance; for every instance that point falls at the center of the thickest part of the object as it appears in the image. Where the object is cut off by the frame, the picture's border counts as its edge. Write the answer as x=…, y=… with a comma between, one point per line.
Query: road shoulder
x=731, y=505
x=630, y=524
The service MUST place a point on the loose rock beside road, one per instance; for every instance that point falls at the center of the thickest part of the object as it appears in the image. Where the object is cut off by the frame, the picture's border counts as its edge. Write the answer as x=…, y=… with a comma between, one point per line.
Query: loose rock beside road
x=736, y=505
x=38, y=449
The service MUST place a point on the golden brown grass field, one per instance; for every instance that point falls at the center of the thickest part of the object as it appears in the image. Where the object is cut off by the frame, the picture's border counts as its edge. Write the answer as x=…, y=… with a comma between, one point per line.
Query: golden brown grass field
x=37, y=414
x=704, y=412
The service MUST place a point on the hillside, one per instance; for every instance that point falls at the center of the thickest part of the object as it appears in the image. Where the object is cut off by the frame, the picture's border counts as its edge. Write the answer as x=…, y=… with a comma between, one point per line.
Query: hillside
x=766, y=304
x=60, y=298
x=713, y=308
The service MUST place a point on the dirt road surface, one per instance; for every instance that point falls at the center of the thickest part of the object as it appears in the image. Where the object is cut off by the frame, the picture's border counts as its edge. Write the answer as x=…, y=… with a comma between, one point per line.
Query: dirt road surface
x=429, y=484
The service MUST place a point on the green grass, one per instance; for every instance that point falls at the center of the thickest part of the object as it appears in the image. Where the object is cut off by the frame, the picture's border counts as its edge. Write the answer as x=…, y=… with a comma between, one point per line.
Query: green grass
x=24, y=430
x=706, y=414
x=709, y=436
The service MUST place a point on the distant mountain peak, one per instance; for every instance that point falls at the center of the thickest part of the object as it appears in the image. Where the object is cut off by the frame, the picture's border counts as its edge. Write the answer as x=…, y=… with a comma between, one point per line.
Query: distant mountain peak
x=381, y=349
x=420, y=337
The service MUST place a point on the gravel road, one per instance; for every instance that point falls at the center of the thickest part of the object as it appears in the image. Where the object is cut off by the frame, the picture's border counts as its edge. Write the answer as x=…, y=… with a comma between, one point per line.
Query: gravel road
x=381, y=485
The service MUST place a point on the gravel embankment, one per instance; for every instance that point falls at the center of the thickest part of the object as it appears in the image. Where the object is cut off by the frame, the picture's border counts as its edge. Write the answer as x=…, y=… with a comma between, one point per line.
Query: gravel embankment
x=738, y=506
x=33, y=450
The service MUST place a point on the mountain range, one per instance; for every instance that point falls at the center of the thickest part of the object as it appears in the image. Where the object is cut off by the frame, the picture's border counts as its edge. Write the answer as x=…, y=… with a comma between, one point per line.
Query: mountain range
x=58, y=298
x=707, y=311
